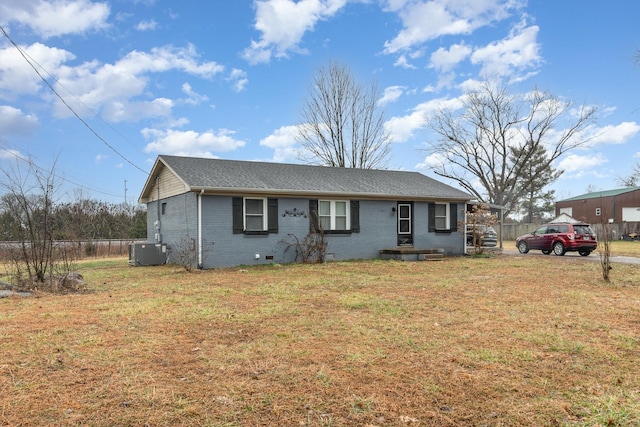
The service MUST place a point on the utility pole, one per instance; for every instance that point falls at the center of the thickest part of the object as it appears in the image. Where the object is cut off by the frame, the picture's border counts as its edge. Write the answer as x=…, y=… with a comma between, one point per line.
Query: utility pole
x=125, y=191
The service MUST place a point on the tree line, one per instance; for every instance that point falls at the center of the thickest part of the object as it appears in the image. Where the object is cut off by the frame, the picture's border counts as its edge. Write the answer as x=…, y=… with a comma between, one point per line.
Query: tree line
x=84, y=219
x=31, y=210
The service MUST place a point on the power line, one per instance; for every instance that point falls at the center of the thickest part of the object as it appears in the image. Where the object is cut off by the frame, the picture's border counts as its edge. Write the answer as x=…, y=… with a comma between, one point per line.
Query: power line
x=41, y=169
x=67, y=105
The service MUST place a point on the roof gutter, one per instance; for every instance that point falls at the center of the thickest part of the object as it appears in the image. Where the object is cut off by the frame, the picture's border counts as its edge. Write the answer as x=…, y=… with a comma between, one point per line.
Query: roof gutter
x=315, y=194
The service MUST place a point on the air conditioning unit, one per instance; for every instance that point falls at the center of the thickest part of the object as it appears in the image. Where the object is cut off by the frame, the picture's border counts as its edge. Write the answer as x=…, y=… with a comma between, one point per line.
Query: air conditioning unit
x=147, y=254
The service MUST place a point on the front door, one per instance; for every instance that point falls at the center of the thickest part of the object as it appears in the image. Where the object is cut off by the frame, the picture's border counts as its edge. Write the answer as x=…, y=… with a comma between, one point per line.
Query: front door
x=405, y=225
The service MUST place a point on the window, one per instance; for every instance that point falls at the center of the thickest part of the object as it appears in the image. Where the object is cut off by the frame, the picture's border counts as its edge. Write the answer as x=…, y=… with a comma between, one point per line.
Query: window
x=333, y=214
x=442, y=216
x=598, y=211
x=252, y=215
x=164, y=208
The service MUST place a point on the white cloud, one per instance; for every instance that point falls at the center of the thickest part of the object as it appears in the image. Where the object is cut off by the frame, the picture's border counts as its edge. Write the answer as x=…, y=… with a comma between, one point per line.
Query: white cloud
x=191, y=143
x=391, y=94
x=113, y=88
x=403, y=62
x=611, y=134
x=194, y=98
x=402, y=128
x=56, y=17
x=283, y=23
x=434, y=160
x=283, y=142
x=132, y=111
x=11, y=154
x=519, y=51
x=15, y=122
x=427, y=20
x=573, y=163
x=239, y=79
x=16, y=75
x=147, y=25
x=446, y=59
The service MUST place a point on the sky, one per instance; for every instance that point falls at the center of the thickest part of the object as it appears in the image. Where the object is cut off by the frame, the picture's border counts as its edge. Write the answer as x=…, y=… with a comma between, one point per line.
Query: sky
x=96, y=90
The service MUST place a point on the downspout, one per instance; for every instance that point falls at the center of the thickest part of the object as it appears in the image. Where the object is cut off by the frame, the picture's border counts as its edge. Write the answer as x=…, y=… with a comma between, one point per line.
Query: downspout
x=158, y=224
x=200, y=228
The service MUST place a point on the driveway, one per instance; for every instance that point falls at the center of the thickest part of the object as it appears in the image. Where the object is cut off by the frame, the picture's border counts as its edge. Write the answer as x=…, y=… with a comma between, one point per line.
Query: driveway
x=595, y=256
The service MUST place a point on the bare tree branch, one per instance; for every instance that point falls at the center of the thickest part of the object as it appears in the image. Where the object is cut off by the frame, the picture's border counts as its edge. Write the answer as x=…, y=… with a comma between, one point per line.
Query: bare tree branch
x=488, y=145
x=342, y=125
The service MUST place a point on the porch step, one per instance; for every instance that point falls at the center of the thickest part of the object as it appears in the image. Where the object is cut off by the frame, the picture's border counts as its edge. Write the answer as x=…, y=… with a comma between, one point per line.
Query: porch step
x=409, y=253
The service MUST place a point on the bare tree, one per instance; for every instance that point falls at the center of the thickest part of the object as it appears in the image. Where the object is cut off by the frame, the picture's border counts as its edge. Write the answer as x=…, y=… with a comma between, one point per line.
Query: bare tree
x=342, y=125
x=488, y=145
x=633, y=179
x=30, y=198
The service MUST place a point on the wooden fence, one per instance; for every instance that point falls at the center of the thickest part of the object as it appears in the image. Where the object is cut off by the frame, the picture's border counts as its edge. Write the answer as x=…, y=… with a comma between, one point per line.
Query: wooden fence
x=511, y=231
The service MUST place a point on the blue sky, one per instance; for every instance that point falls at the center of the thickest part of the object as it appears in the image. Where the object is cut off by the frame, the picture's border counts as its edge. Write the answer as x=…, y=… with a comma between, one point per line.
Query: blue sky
x=227, y=79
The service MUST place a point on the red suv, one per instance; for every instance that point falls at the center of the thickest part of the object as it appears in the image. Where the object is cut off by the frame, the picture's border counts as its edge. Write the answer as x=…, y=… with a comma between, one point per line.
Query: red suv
x=559, y=238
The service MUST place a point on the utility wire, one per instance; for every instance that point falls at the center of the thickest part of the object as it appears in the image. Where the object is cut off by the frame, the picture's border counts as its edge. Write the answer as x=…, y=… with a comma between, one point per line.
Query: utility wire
x=67, y=105
x=31, y=163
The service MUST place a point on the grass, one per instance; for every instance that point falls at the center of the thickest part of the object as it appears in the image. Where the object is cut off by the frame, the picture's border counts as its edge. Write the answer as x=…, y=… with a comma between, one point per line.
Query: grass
x=505, y=340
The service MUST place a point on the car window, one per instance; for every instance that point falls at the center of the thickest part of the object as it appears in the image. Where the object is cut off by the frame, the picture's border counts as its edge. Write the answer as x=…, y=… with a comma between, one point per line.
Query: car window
x=563, y=229
x=541, y=230
x=582, y=229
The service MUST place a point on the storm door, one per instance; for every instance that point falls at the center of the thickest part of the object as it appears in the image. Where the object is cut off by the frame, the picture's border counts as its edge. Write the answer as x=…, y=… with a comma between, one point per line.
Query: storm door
x=405, y=225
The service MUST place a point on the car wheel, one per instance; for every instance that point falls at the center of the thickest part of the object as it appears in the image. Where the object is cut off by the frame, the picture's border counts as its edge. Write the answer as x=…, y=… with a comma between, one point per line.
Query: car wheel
x=584, y=252
x=558, y=248
x=546, y=251
x=523, y=248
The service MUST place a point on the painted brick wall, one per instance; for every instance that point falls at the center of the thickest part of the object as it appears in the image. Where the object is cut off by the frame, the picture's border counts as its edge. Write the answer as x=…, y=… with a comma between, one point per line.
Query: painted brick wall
x=222, y=248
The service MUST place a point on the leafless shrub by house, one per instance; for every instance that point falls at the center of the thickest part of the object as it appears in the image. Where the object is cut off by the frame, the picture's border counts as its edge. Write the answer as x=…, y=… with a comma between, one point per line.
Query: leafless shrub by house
x=312, y=248
x=477, y=219
x=185, y=253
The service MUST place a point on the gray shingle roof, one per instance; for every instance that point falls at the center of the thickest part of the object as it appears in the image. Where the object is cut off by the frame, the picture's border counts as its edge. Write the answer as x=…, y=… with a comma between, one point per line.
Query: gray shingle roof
x=280, y=178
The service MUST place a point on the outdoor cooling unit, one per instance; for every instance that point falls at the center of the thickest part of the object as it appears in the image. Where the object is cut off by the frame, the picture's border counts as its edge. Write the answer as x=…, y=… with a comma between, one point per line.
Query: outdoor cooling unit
x=147, y=254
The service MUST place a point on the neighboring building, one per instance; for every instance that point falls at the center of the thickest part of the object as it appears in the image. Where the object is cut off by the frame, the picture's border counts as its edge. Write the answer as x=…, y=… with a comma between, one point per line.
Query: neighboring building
x=619, y=206
x=240, y=213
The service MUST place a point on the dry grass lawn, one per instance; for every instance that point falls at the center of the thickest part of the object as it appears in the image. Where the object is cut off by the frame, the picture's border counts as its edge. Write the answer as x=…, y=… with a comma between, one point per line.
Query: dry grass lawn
x=499, y=341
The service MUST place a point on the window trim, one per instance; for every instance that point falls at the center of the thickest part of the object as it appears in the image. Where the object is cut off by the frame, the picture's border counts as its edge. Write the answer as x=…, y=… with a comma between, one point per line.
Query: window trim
x=270, y=216
x=447, y=216
x=333, y=215
x=451, y=217
x=353, y=215
x=263, y=214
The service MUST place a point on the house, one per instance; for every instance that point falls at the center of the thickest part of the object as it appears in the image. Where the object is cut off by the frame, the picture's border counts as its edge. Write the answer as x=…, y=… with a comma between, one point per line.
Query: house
x=612, y=206
x=233, y=213
x=563, y=218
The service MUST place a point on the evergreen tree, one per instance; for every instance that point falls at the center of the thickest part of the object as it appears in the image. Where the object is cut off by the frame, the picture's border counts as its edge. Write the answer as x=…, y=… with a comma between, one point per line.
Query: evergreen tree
x=535, y=203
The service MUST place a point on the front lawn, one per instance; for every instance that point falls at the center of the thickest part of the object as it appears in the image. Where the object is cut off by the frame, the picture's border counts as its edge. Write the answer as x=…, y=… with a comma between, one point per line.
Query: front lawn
x=496, y=341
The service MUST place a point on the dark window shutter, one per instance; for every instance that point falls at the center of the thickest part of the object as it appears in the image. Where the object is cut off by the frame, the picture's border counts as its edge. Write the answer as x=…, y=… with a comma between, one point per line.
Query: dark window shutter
x=313, y=215
x=238, y=221
x=453, y=214
x=272, y=215
x=355, y=216
x=432, y=217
